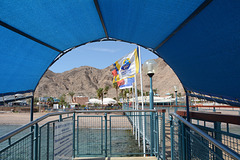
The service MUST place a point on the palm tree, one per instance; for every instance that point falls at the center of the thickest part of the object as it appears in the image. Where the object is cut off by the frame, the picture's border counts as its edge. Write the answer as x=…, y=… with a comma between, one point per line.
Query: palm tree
x=100, y=94
x=130, y=92
x=121, y=94
x=147, y=93
x=179, y=94
x=125, y=93
x=106, y=90
x=155, y=91
x=138, y=92
x=36, y=100
x=71, y=94
x=115, y=85
x=50, y=101
x=62, y=100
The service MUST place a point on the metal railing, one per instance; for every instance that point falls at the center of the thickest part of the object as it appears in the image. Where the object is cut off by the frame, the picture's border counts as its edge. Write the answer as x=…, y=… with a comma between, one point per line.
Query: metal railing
x=219, y=108
x=190, y=142
x=27, y=142
x=92, y=135
x=152, y=140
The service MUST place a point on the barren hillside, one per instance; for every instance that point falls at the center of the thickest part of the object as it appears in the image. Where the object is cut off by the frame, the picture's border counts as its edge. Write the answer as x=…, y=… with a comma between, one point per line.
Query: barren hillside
x=85, y=80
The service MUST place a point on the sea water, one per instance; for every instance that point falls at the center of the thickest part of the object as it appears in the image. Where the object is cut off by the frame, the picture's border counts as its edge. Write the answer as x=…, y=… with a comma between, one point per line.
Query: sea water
x=122, y=141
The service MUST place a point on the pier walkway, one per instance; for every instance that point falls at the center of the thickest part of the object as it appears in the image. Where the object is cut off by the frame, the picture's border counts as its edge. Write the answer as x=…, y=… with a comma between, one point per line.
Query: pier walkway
x=124, y=134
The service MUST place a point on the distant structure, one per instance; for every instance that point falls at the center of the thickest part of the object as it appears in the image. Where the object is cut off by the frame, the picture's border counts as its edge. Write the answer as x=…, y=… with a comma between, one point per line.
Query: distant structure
x=80, y=100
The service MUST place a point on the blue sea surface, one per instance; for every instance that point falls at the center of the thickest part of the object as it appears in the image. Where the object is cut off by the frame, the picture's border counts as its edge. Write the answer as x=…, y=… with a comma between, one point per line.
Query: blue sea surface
x=4, y=129
x=122, y=141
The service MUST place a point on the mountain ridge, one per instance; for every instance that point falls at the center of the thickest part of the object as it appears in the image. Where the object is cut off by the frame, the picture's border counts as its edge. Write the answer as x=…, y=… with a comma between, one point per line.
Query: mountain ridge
x=85, y=80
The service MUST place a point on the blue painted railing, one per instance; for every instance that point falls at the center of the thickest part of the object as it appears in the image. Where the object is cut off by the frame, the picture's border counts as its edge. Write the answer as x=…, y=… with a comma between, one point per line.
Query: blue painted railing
x=97, y=134
x=189, y=141
x=142, y=128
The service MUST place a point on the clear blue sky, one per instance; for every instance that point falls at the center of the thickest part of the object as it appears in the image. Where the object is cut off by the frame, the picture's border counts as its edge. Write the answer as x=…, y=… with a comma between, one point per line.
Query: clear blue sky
x=99, y=55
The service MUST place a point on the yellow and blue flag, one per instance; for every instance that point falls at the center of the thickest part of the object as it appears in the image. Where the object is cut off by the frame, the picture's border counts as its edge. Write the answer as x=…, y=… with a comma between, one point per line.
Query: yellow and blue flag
x=127, y=83
x=127, y=66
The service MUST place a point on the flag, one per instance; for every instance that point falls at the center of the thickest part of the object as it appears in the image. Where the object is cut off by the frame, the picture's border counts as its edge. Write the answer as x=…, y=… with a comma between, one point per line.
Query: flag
x=114, y=73
x=128, y=65
x=128, y=83
x=121, y=82
x=115, y=76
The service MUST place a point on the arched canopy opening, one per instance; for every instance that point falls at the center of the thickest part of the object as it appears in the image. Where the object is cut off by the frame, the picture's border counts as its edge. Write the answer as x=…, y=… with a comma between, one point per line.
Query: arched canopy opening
x=198, y=39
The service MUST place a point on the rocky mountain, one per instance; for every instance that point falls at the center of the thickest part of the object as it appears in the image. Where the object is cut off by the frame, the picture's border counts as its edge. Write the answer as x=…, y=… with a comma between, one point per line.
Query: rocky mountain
x=85, y=80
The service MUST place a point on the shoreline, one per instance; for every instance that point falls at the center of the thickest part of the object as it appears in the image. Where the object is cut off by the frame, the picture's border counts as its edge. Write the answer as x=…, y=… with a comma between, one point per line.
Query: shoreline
x=11, y=118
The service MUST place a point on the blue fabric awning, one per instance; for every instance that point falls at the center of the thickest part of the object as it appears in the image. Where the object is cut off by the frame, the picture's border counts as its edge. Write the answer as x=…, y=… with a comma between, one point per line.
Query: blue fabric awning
x=199, y=39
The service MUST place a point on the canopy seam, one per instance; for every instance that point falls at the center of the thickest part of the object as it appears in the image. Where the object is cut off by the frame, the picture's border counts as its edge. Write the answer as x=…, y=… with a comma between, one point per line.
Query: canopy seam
x=27, y=35
x=101, y=17
x=195, y=13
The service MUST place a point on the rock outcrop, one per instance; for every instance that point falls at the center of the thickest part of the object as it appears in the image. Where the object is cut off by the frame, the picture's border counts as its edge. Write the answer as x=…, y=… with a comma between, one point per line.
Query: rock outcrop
x=85, y=80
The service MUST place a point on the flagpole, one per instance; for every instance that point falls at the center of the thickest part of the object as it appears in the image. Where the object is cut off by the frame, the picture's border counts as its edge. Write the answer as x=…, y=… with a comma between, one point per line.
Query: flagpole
x=143, y=120
x=124, y=70
x=137, y=114
x=136, y=107
x=133, y=106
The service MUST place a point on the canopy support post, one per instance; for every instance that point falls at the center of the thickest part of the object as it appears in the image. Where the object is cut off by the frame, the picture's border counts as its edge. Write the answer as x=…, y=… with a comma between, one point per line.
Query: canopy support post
x=31, y=109
x=187, y=106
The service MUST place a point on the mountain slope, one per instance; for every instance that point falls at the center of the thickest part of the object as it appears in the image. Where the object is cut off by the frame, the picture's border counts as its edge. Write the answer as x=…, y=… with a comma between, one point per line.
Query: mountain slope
x=85, y=80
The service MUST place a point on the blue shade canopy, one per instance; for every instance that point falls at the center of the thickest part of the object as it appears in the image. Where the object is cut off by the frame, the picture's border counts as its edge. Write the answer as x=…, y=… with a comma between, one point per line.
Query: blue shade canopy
x=154, y=20
x=205, y=54
x=199, y=39
x=23, y=62
x=61, y=24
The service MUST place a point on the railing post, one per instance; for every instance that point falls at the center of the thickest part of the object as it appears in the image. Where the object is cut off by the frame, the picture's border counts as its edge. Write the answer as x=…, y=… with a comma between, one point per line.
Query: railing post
x=74, y=117
x=39, y=143
x=144, y=134
x=32, y=107
x=214, y=109
x=187, y=107
x=110, y=135
x=179, y=139
x=163, y=134
x=218, y=136
x=197, y=120
x=183, y=141
x=9, y=141
x=36, y=142
x=60, y=118
x=175, y=109
x=53, y=133
x=48, y=141
x=156, y=134
x=151, y=133
x=77, y=136
x=31, y=110
x=172, y=136
x=105, y=116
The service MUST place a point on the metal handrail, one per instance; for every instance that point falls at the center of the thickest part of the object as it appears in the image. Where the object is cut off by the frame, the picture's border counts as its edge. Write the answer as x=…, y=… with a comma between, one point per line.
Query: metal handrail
x=20, y=129
x=222, y=147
